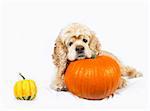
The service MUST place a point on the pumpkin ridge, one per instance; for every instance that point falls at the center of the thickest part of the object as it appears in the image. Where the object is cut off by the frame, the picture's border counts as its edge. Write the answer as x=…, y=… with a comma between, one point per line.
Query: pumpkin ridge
x=35, y=88
x=15, y=90
x=100, y=67
x=112, y=77
x=69, y=70
x=119, y=75
x=93, y=78
x=114, y=81
x=21, y=89
x=80, y=80
x=109, y=66
x=101, y=64
x=84, y=79
x=31, y=91
x=29, y=88
x=114, y=68
x=117, y=70
x=87, y=80
x=77, y=76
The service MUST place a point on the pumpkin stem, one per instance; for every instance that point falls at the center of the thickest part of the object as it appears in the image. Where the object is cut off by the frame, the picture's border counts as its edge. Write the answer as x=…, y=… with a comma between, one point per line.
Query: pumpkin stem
x=93, y=56
x=22, y=76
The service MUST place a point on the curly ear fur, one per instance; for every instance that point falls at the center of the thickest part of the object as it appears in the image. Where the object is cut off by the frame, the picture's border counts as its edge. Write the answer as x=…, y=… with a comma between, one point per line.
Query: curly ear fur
x=60, y=60
x=95, y=44
x=60, y=55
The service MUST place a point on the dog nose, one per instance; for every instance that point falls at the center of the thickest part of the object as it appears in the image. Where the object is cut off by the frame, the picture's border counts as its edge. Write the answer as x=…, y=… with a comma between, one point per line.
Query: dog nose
x=79, y=49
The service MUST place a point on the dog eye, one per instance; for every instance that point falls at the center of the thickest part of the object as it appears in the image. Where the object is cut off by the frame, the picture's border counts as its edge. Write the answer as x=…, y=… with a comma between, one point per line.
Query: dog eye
x=84, y=40
x=70, y=43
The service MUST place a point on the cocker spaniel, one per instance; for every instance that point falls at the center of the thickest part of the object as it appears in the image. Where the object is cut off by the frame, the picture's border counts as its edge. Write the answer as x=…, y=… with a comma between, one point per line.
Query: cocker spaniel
x=77, y=41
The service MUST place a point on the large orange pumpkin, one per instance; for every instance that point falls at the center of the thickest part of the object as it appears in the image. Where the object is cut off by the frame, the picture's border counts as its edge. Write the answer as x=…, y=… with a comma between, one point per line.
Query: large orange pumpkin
x=93, y=78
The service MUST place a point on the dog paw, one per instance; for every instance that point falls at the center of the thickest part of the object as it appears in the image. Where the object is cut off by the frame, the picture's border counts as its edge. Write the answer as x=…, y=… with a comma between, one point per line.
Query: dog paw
x=123, y=83
x=132, y=72
x=135, y=75
x=58, y=85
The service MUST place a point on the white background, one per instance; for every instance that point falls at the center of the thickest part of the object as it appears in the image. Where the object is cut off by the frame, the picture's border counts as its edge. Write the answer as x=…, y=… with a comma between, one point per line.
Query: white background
x=29, y=29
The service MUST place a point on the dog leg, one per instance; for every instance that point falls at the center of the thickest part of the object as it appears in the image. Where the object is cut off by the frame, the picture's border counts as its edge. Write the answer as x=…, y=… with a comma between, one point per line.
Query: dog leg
x=122, y=83
x=60, y=60
x=130, y=72
x=58, y=84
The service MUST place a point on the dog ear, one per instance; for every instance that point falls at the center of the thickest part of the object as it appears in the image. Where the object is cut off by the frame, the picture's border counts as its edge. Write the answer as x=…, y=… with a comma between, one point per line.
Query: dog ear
x=60, y=54
x=95, y=44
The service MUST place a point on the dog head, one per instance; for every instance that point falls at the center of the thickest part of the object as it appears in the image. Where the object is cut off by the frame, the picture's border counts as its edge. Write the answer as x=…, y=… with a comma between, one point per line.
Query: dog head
x=78, y=42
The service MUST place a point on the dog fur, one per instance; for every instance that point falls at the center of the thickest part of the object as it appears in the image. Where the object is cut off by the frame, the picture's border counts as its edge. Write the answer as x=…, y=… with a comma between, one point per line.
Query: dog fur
x=63, y=53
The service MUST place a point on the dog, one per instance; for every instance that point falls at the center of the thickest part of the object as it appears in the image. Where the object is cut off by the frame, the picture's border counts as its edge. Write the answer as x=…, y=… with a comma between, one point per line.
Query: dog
x=77, y=41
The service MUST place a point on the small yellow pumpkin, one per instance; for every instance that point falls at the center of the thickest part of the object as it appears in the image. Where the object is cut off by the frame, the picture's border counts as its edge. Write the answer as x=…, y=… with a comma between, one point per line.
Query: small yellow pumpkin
x=25, y=89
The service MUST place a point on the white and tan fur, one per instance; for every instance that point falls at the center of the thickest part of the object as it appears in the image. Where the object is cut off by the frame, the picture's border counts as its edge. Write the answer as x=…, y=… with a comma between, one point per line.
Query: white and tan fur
x=65, y=51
